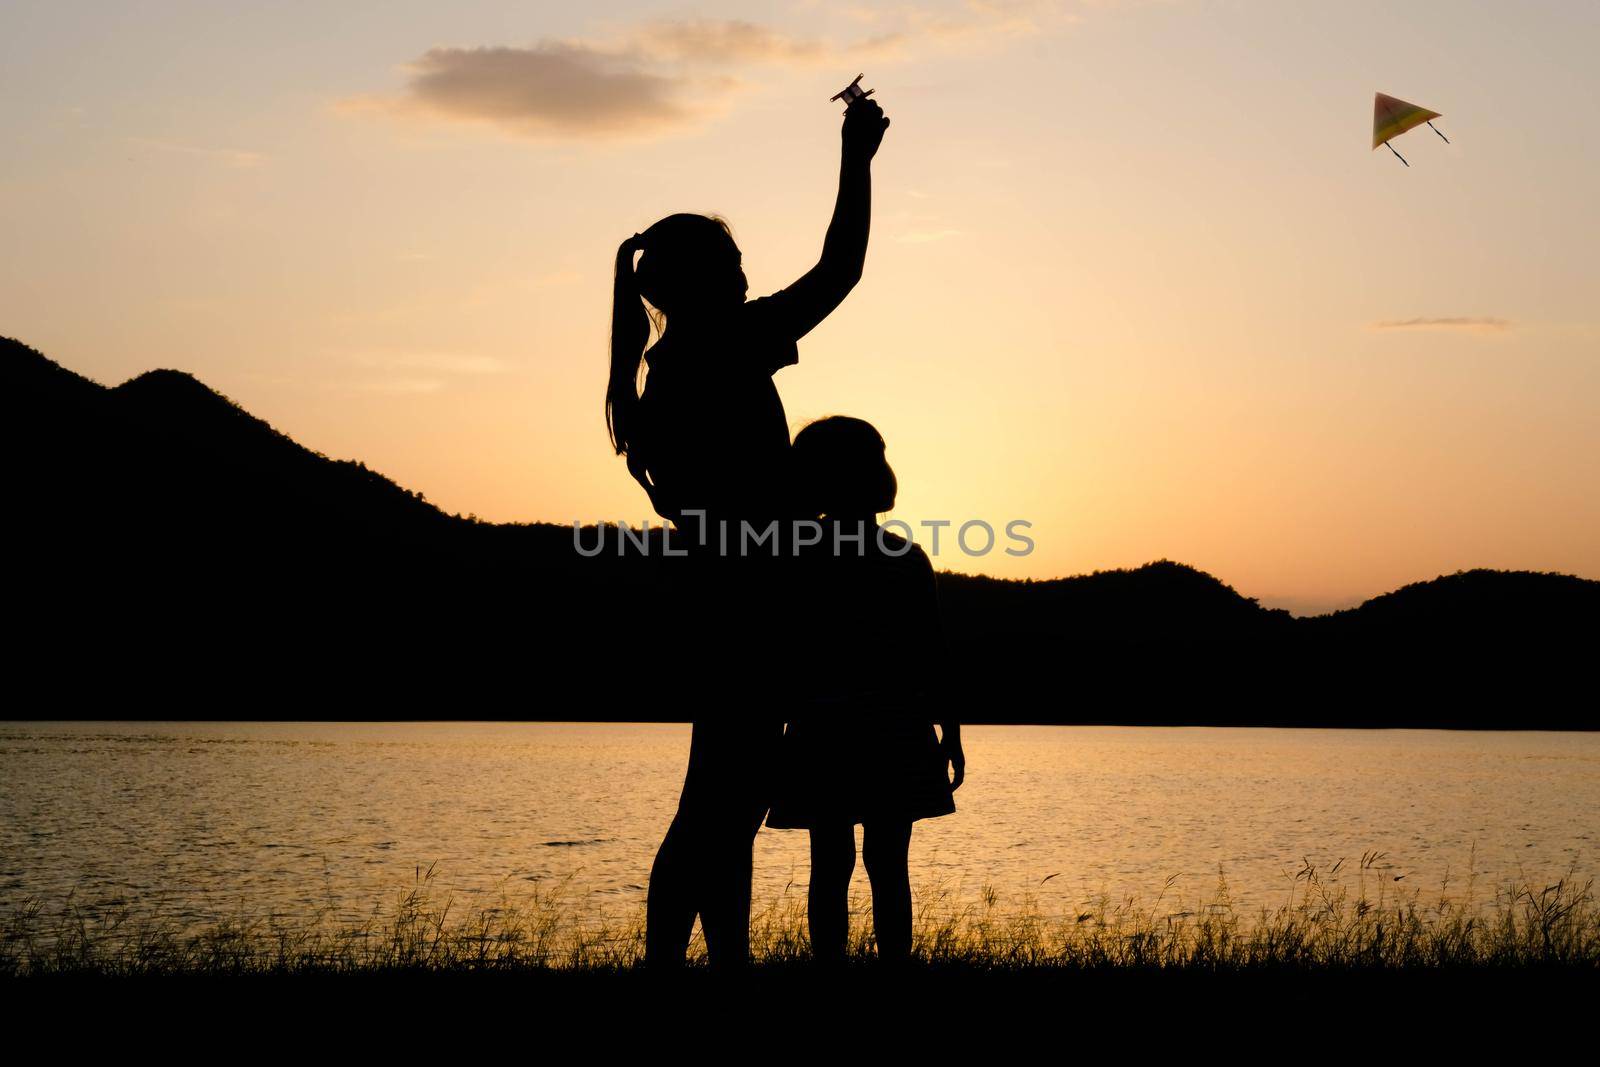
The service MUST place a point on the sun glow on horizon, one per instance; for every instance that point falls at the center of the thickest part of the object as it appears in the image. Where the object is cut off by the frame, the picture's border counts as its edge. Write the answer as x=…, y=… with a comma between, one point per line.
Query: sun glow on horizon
x=1132, y=280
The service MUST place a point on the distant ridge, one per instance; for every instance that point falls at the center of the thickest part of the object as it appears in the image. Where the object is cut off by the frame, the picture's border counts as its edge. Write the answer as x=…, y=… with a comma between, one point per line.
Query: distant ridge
x=162, y=528
x=1518, y=599
x=162, y=453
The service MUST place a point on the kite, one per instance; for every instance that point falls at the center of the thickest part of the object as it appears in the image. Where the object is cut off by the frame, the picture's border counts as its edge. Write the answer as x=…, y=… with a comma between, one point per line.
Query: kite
x=1391, y=117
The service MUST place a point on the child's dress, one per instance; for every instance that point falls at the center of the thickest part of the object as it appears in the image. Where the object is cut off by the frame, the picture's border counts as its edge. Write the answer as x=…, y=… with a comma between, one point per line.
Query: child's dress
x=864, y=747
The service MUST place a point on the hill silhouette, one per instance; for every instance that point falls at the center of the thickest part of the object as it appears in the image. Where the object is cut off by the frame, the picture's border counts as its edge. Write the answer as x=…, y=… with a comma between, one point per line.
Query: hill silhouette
x=1514, y=602
x=170, y=546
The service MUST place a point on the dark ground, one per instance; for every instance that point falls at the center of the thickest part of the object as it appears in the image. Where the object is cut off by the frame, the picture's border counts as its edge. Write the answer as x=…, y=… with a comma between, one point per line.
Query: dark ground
x=777, y=1014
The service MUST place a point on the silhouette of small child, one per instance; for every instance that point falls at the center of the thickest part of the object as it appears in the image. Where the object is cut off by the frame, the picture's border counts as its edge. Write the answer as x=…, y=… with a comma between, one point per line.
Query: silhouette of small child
x=864, y=750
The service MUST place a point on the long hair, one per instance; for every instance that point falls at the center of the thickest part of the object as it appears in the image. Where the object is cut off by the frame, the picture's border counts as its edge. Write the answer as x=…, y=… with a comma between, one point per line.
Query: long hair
x=687, y=260
x=630, y=330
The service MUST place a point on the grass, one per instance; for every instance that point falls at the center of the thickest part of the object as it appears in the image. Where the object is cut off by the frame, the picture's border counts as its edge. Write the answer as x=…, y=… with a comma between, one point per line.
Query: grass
x=1325, y=927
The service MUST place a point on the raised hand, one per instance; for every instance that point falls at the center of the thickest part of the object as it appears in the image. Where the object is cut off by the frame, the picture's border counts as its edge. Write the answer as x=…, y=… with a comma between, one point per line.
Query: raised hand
x=864, y=123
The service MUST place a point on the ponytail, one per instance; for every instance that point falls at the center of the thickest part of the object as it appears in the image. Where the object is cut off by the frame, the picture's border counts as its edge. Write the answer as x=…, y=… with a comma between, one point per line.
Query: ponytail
x=630, y=330
x=685, y=255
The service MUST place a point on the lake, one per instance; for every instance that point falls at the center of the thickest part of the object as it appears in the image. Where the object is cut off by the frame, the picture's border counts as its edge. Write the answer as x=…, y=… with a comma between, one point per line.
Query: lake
x=201, y=820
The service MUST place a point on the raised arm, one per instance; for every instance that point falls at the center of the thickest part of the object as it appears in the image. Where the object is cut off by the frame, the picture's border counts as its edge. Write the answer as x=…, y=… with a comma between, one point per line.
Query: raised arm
x=844, y=250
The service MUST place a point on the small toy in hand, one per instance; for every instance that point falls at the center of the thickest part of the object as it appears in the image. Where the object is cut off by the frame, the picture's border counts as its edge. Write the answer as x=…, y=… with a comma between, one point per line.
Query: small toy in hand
x=852, y=92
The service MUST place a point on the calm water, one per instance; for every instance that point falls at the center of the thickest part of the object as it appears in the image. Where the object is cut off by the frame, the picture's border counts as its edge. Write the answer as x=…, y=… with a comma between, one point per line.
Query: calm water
x=200, y=820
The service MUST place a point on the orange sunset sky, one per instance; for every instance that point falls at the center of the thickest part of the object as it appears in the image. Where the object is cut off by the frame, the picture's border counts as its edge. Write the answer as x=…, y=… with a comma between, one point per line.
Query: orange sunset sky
x=1135, y=277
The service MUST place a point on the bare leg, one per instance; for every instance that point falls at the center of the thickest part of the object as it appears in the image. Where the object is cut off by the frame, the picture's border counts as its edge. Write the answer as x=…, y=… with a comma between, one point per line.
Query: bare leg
x=885, y=849
x=833, y=861
x=670, y=905
x=678, y=873
x=725, y=907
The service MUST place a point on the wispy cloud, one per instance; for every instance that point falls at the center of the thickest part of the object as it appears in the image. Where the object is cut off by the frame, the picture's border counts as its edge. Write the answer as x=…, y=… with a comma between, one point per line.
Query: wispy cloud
x=437, y=361
x=726, y=42
x=922, y=237
x=400, y=385
x=1480, y=323
x=975, y=22
x=661, y=75
x=552, y=90
x=231, y=157
x=410, y=371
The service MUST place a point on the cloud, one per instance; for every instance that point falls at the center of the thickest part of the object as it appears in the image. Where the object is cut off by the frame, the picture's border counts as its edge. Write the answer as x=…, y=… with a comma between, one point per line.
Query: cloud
x=411, y=371
x=400, y=385
x=650, y=80
x=446, y=362
x=658, y=76
x=451, y=362
x=232, y=157
x=1483, y=324
x=922, y=237
x=554, y=89
x=969, y=24
x=709, y=41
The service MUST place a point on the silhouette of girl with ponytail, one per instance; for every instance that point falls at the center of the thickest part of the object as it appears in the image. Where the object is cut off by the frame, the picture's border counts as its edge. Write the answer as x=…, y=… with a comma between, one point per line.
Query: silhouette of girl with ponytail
x=708, y=440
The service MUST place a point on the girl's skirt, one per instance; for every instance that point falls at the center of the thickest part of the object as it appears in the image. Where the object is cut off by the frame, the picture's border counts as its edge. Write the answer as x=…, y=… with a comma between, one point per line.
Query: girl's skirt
x=856, y=768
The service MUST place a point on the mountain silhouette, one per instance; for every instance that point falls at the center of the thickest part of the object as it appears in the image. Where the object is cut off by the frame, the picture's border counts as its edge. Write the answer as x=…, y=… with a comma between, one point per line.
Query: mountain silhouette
x=167, y=543
x=1521, y=602
x=186, y=458
x=1158, y=601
